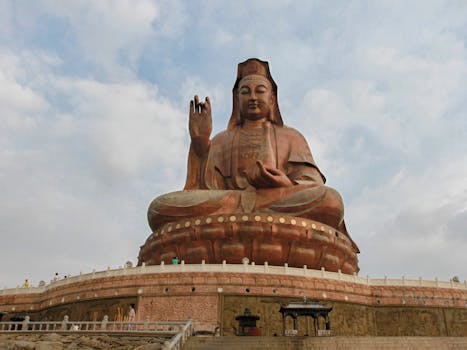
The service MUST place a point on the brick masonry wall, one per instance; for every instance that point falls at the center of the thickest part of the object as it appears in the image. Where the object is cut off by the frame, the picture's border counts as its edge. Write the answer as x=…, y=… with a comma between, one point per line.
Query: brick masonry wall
x=215, y=298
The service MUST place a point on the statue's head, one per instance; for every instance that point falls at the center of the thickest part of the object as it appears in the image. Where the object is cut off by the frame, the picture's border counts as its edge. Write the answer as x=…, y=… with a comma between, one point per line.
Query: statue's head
x=253, y=76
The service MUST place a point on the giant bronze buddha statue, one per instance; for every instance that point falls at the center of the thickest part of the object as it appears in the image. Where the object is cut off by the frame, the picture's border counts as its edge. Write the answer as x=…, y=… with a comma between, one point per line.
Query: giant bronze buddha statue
x=253, y=190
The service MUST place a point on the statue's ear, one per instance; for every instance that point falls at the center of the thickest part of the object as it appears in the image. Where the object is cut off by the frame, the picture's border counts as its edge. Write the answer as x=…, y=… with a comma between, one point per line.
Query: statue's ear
x=273, y=100
x=275, y=113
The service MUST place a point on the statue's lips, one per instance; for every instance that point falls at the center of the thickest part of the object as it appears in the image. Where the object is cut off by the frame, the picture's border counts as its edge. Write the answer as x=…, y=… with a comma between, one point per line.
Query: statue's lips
x=253, y=106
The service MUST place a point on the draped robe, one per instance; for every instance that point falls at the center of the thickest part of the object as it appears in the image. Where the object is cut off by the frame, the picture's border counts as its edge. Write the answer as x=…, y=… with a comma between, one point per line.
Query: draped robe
x=215, y=183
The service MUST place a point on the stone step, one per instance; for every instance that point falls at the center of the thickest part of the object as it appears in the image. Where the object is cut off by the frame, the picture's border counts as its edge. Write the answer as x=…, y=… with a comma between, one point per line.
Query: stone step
x=253, y=343
x=326, y=343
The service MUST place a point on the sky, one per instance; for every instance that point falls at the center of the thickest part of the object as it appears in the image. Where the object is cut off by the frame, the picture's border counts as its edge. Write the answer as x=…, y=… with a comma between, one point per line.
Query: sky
x=94, y=120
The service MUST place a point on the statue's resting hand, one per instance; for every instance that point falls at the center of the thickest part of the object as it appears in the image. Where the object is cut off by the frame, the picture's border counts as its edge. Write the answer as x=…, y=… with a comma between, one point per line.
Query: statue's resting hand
x=200, y=124
x=266, y=177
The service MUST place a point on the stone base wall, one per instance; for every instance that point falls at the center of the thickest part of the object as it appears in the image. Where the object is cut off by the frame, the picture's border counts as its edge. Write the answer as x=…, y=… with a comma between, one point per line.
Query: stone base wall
x=214, y=294
x=326, y=343
x=203, y=309
x=350, y=319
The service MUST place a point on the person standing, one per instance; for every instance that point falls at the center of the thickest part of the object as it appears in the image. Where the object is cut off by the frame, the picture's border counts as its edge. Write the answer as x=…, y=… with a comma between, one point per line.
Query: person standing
x=131, y=316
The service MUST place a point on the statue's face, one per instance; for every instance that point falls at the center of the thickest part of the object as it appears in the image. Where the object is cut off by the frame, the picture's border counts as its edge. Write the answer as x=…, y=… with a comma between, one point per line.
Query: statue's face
x=255, y=97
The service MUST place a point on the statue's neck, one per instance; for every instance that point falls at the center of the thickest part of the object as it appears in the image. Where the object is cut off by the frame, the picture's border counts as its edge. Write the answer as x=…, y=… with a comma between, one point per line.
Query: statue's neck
x=253, y=124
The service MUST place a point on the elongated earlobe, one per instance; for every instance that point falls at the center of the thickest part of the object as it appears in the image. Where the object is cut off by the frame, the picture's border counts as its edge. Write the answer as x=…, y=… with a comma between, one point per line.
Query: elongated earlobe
x=272, y=112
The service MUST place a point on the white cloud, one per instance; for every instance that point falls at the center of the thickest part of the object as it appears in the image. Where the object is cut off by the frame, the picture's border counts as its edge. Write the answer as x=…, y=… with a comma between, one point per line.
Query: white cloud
x=218, y=95
x=126, y=123
x=378, y=89
x=110, y=34
x=173, y=19
x=5, y=25
x=67, y=179
x=414, y=220
x=19, y=104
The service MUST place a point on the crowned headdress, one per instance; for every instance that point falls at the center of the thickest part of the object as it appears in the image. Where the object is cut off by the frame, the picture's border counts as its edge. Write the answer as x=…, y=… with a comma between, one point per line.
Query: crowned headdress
x=256, y=67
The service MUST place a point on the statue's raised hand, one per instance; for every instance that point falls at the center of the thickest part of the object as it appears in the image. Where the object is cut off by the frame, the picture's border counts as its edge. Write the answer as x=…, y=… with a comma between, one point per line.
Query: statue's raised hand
x=200, y=123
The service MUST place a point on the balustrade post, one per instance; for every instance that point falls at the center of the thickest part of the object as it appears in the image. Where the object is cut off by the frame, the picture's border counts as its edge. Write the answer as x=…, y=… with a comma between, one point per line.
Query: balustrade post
x=65, y=323
x=185, y=328
x=104, y=322
x=146, y=323
x=25, y=324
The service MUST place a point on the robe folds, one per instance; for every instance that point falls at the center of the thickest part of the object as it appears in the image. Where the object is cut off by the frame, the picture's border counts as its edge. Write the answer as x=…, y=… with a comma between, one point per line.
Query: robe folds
x=216, y=185
x=283, y=148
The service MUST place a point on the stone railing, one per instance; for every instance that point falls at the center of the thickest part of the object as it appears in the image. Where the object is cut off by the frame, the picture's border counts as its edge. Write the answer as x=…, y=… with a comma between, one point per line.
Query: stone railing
x=240, y=268
x=179, y=339
x=172, y=334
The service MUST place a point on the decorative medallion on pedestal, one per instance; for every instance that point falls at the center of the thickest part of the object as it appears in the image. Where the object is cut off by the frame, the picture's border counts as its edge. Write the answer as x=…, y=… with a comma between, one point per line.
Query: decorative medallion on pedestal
x=254, y=190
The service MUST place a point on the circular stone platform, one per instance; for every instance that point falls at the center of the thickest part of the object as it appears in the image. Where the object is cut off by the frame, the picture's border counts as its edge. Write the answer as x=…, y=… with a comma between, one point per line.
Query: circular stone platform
x=271, y=238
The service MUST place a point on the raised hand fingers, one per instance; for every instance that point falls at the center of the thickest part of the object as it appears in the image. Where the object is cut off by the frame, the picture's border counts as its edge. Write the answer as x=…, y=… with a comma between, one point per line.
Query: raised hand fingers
x=207, y=104
x=200, y=120
x=199, y=107
x=195, y=107
x=192, y=109
x=196, y=104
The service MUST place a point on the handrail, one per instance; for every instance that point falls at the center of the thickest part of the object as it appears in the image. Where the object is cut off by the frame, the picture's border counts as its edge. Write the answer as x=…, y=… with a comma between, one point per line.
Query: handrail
x=177, y=341
x=177, y=331
x=239, y=268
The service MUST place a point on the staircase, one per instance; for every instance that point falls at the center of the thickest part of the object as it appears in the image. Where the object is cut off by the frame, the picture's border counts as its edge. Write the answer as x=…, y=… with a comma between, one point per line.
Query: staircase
x=326, y=343
x=244, y=343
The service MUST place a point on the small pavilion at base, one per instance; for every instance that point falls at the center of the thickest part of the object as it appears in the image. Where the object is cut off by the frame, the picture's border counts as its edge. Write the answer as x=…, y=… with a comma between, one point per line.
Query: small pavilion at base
x=305, y=308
